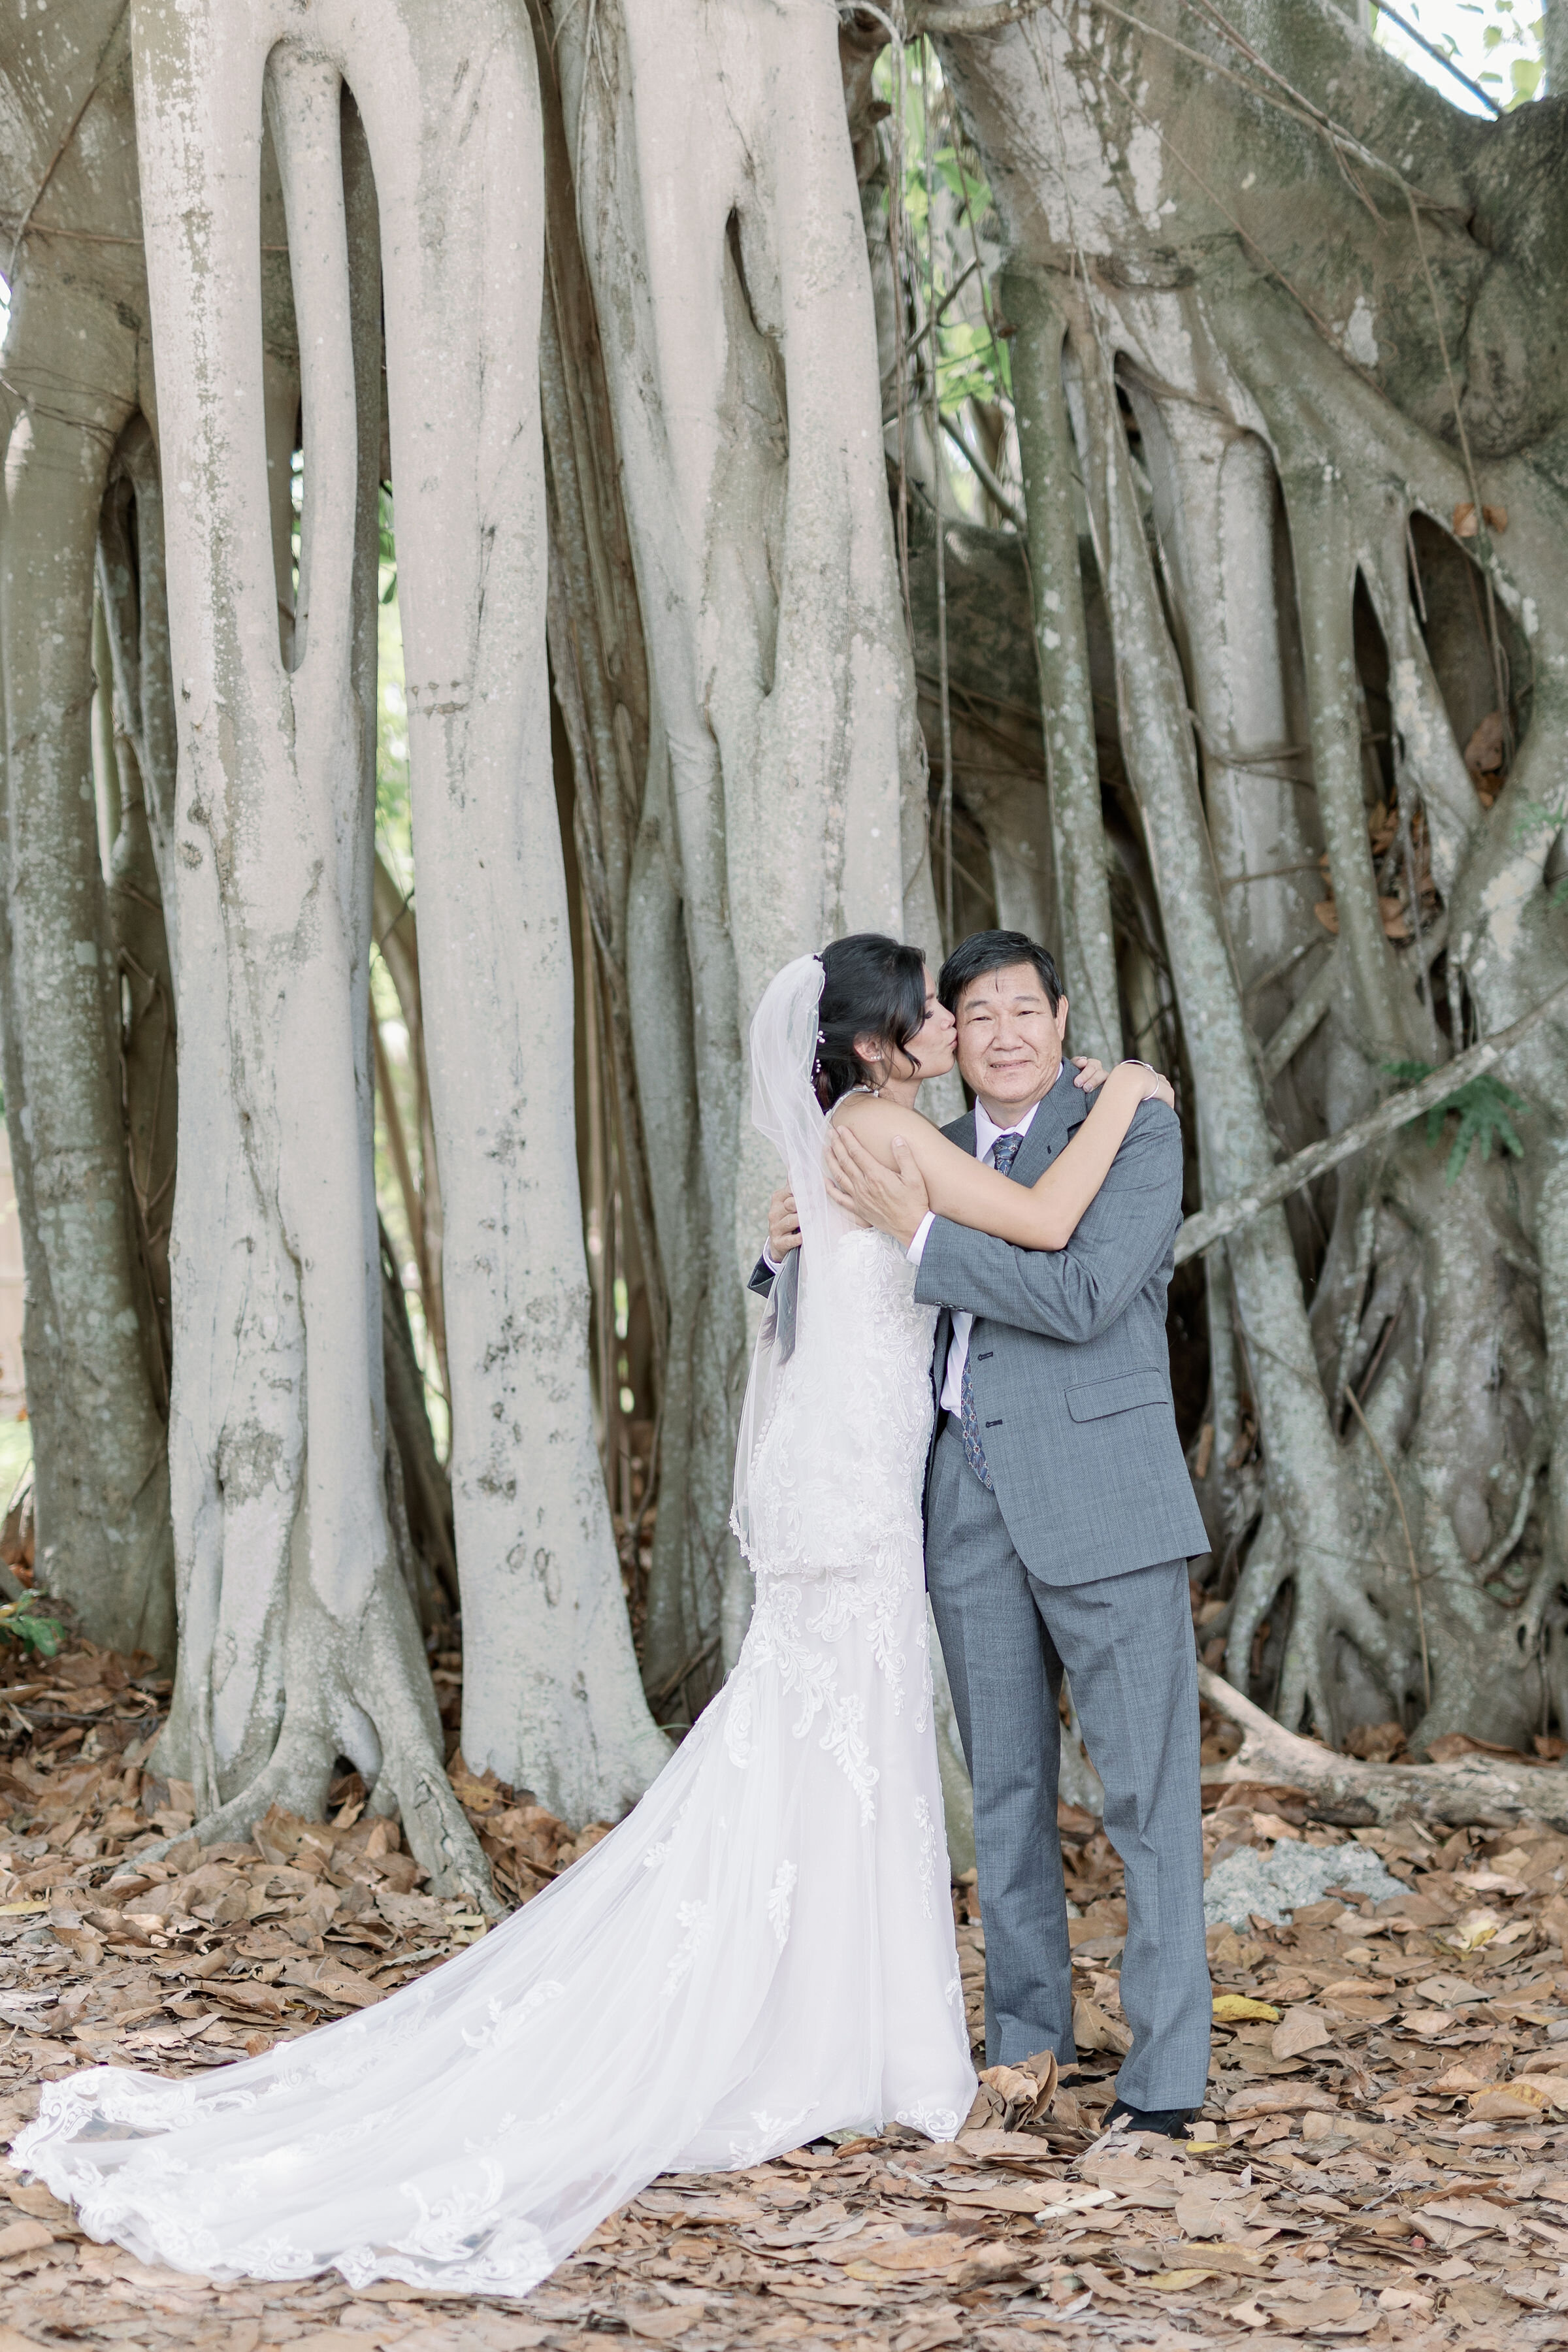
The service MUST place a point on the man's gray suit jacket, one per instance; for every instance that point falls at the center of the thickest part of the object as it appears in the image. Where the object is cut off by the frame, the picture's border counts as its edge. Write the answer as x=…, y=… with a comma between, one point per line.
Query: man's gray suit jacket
x=1070, y=1362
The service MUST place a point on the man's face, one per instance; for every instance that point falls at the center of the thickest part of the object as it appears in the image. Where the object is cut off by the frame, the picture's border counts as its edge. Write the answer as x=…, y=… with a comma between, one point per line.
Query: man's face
x=1009, y=1040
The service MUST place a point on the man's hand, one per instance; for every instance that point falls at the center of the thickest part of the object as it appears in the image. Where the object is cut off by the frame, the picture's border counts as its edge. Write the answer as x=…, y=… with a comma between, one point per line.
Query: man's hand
x=783, y=1226
x=894, y=1199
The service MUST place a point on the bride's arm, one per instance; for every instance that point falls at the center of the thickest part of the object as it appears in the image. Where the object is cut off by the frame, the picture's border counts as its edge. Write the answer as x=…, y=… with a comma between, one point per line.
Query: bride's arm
x=1040, y=1216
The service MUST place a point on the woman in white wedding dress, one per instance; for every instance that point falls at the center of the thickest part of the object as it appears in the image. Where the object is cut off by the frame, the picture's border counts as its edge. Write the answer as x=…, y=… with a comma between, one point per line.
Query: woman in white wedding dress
x=763, y=1950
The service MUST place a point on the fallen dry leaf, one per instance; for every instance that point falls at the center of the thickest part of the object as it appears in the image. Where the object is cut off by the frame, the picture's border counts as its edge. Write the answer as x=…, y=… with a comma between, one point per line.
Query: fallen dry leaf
x=1280, y=2099
x=996, y=2145
x=937, y=2252
x=1094, y=2029
x=1300, y=2029
x=1198, y=2215
x=21, y=2237
x=1459, y=2080
x=1515, y=2100
x=1470, y=1932
x=988, y=2264
x=343, y=2339
x=1428, y=2022
x=663, y=2325
x=1007, y=2197
x=1332, y=2309
x=1246, y=2314
x=1470, y=2212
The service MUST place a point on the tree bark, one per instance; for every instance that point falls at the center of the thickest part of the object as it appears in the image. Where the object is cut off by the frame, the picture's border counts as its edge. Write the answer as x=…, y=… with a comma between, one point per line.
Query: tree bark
x=103, y=1515
x=1061, y=640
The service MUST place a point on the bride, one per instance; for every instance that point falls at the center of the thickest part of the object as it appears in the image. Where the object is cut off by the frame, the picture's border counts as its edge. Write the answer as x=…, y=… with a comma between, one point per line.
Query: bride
x=763, y=1950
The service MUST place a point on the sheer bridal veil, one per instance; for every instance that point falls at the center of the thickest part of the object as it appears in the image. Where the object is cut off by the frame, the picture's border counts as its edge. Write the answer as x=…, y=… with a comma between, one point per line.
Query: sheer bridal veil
x=794, y=1472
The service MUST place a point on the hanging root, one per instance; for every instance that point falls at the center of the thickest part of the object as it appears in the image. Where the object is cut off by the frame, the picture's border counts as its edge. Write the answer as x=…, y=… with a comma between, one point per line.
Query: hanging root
x=1267, y=1568
x=1331, y=1604
x=439, y=1833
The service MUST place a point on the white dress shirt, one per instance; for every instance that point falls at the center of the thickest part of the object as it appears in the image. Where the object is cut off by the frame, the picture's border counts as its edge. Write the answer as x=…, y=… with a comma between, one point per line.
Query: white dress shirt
x=986, y=1132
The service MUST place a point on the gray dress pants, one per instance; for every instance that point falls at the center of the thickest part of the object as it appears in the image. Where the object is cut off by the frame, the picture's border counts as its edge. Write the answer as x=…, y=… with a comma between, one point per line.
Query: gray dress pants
x=1126, y=1643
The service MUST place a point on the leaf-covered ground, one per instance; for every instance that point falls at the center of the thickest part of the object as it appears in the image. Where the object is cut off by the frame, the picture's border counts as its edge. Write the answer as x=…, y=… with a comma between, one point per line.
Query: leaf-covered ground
x=1379, y=2156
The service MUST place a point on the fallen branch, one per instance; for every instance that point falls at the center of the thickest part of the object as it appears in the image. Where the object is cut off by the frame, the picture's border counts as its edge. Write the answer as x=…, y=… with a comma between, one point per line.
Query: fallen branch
x=1210, y=1225
x=1484, y=1788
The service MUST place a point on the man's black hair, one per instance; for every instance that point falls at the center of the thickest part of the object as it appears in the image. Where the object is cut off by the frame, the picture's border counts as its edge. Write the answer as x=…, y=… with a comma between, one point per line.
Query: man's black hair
x=985, y=951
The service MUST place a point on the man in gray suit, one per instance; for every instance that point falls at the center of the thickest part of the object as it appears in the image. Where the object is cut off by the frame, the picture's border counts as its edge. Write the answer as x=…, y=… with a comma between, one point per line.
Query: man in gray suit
x=1059, y=1518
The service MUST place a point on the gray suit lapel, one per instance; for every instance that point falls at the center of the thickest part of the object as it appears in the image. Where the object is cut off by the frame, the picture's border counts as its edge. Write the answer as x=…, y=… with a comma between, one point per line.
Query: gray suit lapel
x=1061, y=1113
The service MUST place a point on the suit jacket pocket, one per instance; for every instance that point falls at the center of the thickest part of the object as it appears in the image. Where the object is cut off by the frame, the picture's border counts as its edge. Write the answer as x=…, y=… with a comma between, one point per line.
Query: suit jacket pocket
x=1093, y=1399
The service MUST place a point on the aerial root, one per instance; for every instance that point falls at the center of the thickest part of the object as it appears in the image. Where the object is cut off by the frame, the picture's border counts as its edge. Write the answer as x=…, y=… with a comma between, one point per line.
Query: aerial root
x=1479, y=1789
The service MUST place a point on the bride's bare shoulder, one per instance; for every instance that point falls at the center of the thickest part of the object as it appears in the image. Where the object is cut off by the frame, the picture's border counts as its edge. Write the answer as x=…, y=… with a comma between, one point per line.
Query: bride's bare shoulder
x=870, y=1118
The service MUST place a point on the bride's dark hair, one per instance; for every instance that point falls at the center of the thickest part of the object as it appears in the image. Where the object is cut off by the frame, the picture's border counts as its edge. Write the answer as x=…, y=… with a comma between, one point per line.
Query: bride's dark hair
x=872, y=986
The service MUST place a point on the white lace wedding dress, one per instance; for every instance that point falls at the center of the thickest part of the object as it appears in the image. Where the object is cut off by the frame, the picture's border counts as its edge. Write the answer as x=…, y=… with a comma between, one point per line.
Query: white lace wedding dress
x=761, y=1951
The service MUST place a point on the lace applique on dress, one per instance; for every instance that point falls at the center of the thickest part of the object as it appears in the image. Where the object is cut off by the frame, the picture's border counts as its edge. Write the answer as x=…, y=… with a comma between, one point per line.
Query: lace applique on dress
x=779, y=1893
x=504, y=2021
x=925, y=1829
x=770, y=2133
x=738, y=1726
x=697, y=1919
x=655, y=1854
x=937, y=2123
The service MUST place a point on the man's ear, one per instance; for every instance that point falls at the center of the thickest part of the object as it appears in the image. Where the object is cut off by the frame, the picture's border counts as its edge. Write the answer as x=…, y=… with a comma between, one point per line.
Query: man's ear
x=1061, y=1018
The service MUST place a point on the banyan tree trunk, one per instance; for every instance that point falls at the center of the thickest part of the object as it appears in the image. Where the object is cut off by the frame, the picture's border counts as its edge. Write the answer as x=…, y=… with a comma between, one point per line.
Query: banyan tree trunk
x=72, y=381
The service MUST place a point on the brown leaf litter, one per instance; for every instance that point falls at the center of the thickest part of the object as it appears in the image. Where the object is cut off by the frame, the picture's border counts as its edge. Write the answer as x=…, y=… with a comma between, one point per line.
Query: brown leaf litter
x=1383, y=2154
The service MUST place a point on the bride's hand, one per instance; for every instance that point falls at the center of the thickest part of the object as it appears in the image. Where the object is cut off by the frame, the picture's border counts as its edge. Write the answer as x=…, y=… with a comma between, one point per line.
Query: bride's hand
x=1091, y=1075
x=1157, y=1088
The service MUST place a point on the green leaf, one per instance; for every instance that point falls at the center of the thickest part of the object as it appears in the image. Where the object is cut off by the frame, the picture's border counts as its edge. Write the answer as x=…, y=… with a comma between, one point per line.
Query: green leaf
x=1485, y=1108
x=1535, y=816
x=44, y=1634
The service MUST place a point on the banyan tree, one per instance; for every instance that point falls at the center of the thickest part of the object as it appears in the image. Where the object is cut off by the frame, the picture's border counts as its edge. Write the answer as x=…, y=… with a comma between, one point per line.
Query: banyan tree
x=1037, y=461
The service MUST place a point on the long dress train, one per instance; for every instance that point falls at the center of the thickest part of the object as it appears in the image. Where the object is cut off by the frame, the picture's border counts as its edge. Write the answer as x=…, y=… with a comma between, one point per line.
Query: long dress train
x=761, y=1951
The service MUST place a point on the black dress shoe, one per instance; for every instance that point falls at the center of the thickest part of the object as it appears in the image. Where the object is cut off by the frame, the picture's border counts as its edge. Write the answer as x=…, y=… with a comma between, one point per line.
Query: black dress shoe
x=1170, y=2122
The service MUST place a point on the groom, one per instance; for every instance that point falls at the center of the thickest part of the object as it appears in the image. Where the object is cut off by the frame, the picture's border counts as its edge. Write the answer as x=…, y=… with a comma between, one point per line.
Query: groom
x=1059, y=1518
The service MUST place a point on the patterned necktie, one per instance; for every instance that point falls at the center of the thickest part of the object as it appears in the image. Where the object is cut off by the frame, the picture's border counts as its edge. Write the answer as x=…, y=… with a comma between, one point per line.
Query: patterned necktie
x=1003, y=1151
